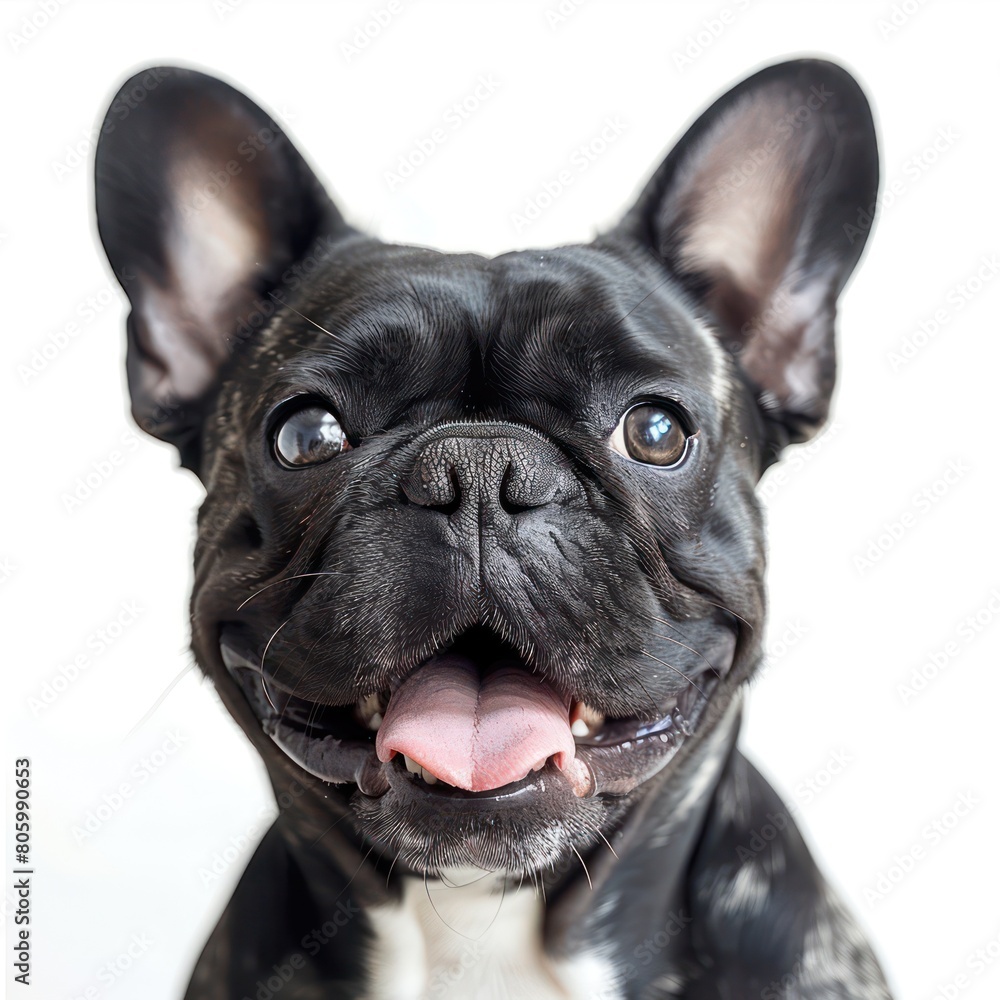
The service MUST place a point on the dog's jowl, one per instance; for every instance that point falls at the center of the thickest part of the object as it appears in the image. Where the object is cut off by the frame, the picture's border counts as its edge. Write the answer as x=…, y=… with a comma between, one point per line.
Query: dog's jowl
x=480, y=564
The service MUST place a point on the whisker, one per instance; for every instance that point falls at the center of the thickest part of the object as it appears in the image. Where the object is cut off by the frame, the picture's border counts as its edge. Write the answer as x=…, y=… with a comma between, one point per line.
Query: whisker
x=263, y=657
x=285, y=579
x=608, y=842
x=361, y=864
x=311, y=322
x=503, y=896
x=388, y=874
x=677, y=642
x=585, y=872
x=448, y=883
x=680, y=673
x=437, y=913
x=652, y=291
x=645, y=691
x=328, y=829
x=159, y=701
x=729, y=611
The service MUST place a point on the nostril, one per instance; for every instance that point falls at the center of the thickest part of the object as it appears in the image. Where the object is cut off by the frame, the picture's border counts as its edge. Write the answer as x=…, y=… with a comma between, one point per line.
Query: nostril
x=525, y=488
x=427, y=487
x=456, y=489
x=245, y=532
x=512, y=506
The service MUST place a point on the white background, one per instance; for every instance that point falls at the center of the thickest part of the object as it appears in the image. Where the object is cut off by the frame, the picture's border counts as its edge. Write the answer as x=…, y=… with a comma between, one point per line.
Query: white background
x=834, y=694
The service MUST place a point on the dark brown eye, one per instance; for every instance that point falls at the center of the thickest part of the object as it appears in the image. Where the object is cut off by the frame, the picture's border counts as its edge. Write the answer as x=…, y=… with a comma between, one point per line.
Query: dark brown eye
x=650, y=433
x=309, y=436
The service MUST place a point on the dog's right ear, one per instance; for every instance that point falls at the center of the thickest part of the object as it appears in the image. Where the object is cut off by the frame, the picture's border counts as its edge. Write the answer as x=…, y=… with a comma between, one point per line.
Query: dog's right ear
x=202, y=204
x=753, y=212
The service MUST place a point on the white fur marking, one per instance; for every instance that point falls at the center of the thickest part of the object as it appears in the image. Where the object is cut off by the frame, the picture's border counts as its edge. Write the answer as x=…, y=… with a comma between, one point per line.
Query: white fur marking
x=469, y=941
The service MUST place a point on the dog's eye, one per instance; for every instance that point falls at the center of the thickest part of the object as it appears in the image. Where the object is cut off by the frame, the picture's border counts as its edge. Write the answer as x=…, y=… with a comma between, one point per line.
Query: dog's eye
x=308, y=436
x=650, y=433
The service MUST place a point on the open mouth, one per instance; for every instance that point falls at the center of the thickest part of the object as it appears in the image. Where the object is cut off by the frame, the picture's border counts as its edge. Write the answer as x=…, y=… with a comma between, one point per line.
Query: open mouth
x=472, y=721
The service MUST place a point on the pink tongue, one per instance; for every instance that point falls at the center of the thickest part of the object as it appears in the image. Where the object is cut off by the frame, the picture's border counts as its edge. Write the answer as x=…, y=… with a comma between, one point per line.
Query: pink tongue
x=472, y=734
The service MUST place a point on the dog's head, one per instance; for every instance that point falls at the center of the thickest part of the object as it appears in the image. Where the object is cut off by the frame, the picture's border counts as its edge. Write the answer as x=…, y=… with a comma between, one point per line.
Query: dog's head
x=480, y=546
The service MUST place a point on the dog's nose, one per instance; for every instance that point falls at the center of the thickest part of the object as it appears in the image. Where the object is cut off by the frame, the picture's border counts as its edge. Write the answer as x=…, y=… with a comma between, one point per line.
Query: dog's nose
x=482, y=467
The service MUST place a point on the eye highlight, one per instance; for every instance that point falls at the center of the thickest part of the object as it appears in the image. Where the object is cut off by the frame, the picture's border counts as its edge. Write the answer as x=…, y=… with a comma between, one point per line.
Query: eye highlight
x=308, y=435
x=651, y=433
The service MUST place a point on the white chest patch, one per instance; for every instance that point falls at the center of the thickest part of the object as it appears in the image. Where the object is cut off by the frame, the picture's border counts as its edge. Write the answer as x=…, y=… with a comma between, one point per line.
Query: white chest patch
x=462, y=938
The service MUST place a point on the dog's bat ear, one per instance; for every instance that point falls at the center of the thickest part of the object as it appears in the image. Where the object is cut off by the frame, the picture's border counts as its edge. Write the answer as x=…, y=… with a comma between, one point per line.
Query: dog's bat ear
x=760, y=211
x=202, y=205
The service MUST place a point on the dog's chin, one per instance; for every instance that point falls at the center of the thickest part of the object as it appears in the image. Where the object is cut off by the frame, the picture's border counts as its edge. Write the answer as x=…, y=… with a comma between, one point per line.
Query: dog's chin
x=519, y=823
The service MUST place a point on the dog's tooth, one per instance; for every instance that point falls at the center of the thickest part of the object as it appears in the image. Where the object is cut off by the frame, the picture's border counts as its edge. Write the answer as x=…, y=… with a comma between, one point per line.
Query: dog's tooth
x=366, y=706
x=584, y=720
x=428, y=777
x=540, y=764
x=369, y=711
x=411, y=765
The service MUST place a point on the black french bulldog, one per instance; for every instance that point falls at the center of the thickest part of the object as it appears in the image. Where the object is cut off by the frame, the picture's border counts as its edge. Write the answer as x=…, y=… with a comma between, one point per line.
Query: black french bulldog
x=480, y=565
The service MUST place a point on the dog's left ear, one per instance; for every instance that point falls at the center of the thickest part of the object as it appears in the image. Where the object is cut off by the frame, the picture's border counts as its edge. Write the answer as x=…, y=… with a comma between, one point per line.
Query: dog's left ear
x=756, y=212
x=203, y=204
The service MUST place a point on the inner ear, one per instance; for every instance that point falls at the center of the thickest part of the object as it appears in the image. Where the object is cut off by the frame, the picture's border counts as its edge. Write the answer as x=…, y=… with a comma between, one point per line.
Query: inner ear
x=202, y=204
x=754, y=211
